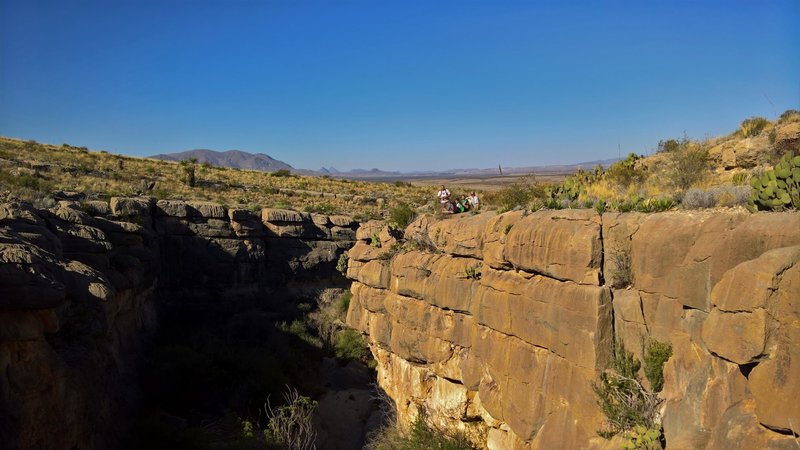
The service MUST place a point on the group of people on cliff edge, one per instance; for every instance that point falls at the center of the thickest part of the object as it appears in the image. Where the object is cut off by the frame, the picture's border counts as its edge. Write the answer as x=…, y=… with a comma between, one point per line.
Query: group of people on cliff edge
x=456, y=204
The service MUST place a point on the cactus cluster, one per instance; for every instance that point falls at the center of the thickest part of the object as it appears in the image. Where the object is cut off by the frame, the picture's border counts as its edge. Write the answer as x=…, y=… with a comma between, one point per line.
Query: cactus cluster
x=778, y=188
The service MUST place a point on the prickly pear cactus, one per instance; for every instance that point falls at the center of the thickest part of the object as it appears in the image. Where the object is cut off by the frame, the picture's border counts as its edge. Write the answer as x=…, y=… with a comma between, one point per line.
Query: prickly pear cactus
x=778, y=188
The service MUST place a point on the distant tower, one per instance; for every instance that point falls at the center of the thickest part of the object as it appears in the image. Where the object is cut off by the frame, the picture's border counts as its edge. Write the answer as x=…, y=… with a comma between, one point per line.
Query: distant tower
x=500, y=169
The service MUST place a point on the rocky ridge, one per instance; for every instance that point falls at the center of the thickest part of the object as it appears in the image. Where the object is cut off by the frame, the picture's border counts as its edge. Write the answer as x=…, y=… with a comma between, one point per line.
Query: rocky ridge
x=497, y=325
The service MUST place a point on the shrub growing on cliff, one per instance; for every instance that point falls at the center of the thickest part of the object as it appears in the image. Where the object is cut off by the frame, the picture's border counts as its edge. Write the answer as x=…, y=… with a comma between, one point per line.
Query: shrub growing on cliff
x=655, y=355
x=752, y=127
x=350, y=345
x=621, y=270
x=622, y=398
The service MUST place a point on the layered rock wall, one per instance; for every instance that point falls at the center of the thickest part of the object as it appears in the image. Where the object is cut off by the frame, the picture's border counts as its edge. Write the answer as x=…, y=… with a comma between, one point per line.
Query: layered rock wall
x=79, y=290
x=497, y=325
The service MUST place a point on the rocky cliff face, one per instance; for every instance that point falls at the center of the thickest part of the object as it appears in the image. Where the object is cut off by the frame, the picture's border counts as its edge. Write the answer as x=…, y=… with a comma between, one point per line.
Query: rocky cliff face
x=496, y=325
x=79, y=290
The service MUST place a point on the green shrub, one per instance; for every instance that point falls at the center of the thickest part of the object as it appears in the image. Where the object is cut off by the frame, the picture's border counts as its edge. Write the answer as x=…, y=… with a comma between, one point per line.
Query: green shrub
x=281, y=173
x=621, y=268
x=789, y=114
x=350, y=345
x=600, y=206
x=343, y=304
x=669, y=145
x=622, y=398
x=625, y=173
x=342, y=263
x=300, y=330
x=290, y=426
x=655, y=355
x=624, y=205
x=420, y=436
x=188, y=168
x=688, y=165
x=752, y=127
x=320, y=208
x=516, y=195
x=473, y=272
x=401, y=216
x=741, y=178
x=652, y=205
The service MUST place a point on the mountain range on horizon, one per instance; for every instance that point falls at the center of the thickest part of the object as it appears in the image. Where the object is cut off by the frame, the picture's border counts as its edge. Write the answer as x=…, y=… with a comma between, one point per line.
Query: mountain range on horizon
x=263, y=162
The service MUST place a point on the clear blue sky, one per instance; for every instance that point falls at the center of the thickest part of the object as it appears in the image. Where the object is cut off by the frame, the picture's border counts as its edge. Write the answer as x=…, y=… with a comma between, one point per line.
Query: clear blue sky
x=399, y=85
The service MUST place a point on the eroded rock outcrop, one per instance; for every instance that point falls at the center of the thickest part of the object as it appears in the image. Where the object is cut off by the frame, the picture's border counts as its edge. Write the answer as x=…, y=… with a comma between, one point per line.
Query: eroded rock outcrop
x=80, y=285
x=498, y=324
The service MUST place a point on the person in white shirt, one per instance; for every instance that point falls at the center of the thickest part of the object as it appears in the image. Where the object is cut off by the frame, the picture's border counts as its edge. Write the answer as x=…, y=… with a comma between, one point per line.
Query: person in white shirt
x=444, y=196
x=476, y=203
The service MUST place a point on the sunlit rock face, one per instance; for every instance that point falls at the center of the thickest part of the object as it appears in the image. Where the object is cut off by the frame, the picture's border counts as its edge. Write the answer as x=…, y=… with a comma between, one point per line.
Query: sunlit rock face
x=496, y=325
x=80, y=286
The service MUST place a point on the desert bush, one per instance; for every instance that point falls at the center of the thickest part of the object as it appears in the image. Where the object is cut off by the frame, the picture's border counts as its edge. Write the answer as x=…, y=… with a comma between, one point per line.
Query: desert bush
x=789, y=114
x=622, y=398
x=281, y=173
x=473, y=272
x=727, y=195
x=188, y=168
x=574, y=186
x=342, y=263
x=752, y=127
x=688, y=165
x=350, y=345
x=420, y=436
x=300, y=330
x=669, y=145
x=724, y=195
x=343, y=302
x=320, y=208
x=625, y=173
x=655, y=355
x=600, y=206
x=695, y=198
x=401, y=215
x=516, y=195
x=621, y=268
x=290, y=425
x=741, y=178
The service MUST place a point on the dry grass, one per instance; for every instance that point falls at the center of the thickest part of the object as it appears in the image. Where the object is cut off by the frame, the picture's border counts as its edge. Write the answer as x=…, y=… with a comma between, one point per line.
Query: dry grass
x=102, y=175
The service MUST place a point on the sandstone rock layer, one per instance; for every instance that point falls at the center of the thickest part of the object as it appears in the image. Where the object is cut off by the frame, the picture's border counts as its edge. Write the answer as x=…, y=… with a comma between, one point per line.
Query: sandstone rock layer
x=497, y=325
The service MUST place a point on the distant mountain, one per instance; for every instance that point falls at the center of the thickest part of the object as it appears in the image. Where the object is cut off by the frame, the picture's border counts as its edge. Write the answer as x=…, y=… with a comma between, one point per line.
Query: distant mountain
x=260, y=161
x=382, y=174
x=231, y=158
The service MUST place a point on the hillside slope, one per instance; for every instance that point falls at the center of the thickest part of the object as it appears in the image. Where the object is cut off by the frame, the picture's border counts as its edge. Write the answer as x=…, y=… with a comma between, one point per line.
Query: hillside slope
x=231, y=158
